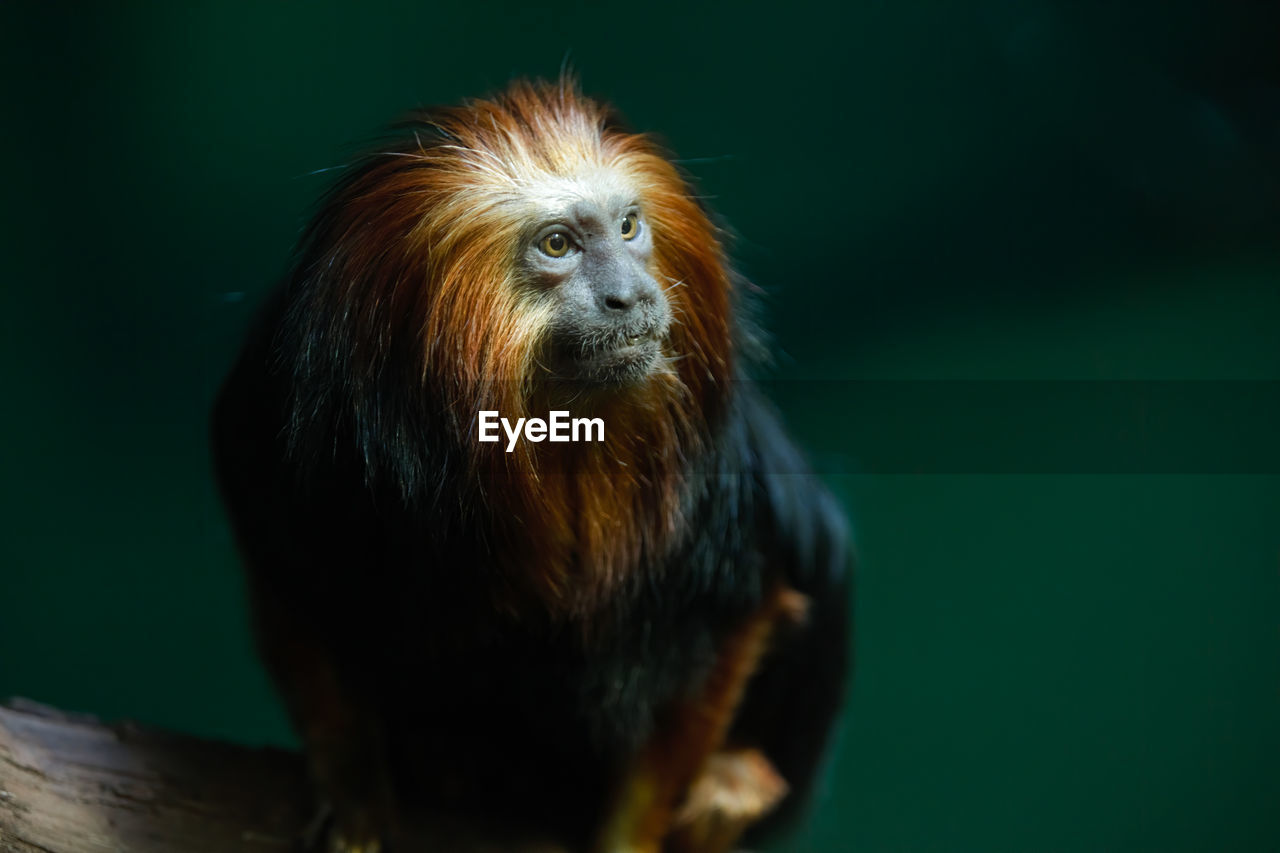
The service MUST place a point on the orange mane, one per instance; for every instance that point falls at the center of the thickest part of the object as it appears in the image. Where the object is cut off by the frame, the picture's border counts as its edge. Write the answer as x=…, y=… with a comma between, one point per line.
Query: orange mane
x=411, y=295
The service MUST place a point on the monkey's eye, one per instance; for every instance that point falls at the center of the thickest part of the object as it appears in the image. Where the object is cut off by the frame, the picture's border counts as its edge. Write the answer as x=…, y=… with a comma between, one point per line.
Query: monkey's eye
x=630, y=226
x=555, y=245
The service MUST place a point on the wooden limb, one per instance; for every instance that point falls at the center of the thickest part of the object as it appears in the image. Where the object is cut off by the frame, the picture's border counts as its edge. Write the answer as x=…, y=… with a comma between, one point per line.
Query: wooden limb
x=70, y=784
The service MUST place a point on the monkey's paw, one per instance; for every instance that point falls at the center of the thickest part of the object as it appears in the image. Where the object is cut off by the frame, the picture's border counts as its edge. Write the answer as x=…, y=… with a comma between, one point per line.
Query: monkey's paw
x=736, y=785
x=736, y=788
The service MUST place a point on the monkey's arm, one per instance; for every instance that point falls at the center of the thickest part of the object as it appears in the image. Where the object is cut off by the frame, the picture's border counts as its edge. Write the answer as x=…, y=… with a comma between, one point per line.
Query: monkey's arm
x=792, y=702
x=743, y=751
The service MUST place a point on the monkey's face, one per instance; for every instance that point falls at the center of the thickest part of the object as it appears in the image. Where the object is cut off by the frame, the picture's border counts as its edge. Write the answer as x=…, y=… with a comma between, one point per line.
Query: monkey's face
x=591, y=256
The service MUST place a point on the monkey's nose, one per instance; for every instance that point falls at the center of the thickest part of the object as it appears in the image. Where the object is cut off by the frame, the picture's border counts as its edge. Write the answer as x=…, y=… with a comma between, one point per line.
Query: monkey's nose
x=619, y=303
x=626, y=294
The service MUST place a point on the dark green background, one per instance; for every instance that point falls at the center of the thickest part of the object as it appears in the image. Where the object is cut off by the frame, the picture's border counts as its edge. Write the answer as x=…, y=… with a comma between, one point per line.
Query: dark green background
x=1057, y=658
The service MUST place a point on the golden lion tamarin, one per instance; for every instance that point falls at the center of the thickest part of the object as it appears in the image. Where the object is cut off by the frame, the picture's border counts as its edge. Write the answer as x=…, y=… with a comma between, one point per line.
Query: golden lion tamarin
x=636, y=644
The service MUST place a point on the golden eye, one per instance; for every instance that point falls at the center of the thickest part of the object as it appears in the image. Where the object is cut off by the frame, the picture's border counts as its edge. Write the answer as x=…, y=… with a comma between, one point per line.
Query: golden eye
x=555, y=245
x=630, y=226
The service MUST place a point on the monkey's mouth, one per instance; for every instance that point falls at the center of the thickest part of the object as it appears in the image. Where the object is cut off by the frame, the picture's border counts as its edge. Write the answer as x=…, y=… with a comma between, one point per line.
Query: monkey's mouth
x=617, y=359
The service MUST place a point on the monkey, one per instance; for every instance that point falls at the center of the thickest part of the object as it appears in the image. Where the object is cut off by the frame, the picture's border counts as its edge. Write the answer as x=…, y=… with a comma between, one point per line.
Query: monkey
x=637, y=645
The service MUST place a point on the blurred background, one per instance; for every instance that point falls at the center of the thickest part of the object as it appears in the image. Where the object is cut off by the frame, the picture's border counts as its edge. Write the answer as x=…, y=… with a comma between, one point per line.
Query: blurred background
x=1020, y=266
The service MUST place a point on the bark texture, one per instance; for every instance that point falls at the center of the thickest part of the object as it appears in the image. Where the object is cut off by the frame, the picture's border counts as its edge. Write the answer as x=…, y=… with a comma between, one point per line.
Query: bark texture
x=70, y=784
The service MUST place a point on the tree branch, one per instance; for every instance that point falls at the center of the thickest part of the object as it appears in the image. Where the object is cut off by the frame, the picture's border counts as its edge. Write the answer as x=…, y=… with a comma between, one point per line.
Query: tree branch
x=70, y=784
